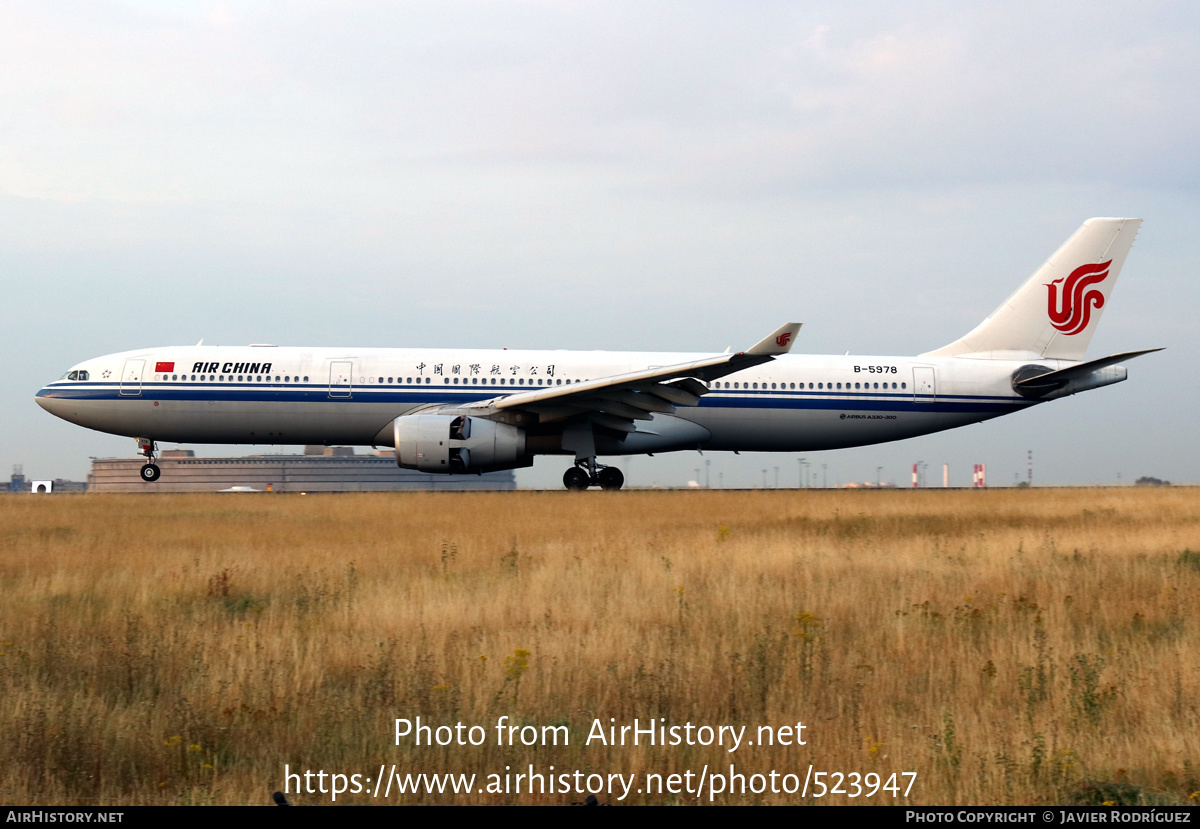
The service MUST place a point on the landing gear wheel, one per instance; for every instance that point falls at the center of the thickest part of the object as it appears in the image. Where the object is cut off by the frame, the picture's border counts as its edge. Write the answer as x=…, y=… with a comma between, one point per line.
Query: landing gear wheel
x=610, y=478
x=150, y=472
x=575, y=479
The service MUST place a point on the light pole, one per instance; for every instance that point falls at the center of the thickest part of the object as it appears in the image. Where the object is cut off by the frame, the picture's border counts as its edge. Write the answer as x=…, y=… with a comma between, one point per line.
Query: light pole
x=800, y=462
x=707, y=474
x=879, y=476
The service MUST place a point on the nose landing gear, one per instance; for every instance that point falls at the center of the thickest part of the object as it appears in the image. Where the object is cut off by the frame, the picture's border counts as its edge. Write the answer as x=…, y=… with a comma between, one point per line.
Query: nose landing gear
x=150, y=470
x=586, y=472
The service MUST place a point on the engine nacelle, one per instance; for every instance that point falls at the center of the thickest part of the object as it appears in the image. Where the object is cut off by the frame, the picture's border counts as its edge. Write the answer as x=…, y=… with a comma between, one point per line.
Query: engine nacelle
x=454, y=444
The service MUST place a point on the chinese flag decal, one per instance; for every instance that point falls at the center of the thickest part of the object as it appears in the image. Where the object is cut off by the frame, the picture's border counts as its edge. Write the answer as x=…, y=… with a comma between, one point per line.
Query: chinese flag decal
x=161, y=367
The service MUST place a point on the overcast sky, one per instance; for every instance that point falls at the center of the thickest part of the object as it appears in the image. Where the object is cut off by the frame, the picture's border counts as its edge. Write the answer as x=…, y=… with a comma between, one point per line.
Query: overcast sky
x=669, y=175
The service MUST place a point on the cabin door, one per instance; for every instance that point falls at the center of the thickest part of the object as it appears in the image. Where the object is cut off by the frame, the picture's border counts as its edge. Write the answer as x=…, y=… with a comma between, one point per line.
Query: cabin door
x=131, y=378
x=924, y=385
x=341, y=373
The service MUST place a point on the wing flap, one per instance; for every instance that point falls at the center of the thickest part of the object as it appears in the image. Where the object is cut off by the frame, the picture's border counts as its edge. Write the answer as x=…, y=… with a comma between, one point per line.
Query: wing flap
x=613, y=407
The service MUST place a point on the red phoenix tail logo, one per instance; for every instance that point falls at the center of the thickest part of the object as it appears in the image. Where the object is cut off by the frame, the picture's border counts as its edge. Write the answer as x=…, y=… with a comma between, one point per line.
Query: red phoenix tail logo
x=783, y=339
x=1072, y=312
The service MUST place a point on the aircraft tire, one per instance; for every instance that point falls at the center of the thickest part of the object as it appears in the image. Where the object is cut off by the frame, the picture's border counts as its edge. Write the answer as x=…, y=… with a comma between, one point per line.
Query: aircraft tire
x=611, y=478
x=150, y=472
x=575, y=479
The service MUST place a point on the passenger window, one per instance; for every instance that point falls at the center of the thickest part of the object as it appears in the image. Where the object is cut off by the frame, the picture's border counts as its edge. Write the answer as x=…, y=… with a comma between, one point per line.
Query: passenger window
x=306, y=378
x=839, y=385
x=772, y=385
x=904, y=385
x=522, y=381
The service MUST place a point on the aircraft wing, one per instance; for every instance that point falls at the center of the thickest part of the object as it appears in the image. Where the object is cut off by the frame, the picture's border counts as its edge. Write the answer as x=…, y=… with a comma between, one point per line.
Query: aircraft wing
x=617, y=401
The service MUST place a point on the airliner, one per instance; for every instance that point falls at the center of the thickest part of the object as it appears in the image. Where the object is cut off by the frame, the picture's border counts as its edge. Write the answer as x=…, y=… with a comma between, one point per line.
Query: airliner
x=460, y=411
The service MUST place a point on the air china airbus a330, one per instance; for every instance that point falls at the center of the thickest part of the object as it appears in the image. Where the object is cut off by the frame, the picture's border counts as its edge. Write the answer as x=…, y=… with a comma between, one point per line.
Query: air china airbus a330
x=457, y=411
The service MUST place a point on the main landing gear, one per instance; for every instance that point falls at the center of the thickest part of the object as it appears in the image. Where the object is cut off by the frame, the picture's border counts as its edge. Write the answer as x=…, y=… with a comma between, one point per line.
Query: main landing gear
x=150, y=470
x=586, y=472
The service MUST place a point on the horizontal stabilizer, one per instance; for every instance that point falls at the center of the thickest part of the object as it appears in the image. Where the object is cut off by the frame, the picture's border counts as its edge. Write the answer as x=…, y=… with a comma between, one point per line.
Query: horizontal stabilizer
x=1052, y=379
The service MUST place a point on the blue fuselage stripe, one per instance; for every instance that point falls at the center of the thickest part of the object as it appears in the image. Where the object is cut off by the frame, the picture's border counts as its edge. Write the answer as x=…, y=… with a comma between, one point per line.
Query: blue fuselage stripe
x=414, y=394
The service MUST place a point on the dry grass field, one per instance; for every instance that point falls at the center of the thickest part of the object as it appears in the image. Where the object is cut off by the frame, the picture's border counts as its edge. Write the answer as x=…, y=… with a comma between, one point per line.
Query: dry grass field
x=1009, y=646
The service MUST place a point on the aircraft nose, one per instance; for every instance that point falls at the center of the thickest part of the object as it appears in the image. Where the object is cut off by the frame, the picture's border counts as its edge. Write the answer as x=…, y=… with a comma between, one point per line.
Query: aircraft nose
x=46, y=399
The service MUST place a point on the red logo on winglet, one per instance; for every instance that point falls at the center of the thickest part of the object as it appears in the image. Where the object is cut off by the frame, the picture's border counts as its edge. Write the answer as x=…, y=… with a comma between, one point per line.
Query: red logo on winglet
x=783, y=339
x=1072, y=312
x=161, y=367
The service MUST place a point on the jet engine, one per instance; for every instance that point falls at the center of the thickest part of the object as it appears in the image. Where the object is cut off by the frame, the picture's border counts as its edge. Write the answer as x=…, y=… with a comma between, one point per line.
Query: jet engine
x=454, y=444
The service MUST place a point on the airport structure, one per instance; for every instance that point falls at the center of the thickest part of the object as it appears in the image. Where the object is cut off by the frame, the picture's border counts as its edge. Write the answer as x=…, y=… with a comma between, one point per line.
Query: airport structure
x=19, y=483
x=319, y=469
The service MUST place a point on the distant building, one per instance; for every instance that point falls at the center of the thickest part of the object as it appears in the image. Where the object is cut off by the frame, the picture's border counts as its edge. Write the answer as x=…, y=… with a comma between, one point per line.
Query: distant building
x=19, y=483
x=319, y=469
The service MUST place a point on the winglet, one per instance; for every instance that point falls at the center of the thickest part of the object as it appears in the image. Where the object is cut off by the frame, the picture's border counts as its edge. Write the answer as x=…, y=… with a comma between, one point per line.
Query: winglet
x=777, y=342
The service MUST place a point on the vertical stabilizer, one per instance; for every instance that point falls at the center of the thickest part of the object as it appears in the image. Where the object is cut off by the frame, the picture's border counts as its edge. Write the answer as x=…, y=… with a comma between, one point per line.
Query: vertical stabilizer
x=1055, y=313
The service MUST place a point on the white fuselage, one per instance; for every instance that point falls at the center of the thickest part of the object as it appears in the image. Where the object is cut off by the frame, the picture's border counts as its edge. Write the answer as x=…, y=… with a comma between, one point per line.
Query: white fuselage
x=278, y=395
